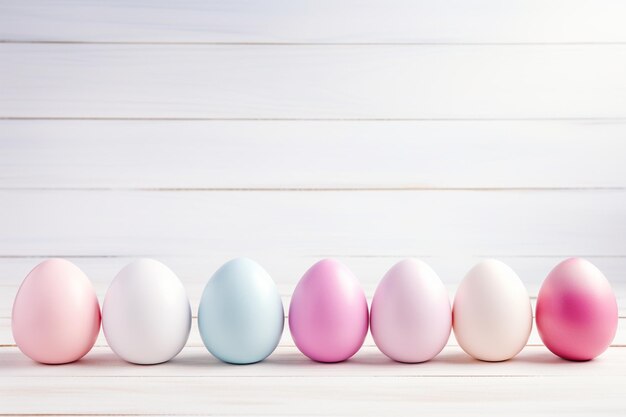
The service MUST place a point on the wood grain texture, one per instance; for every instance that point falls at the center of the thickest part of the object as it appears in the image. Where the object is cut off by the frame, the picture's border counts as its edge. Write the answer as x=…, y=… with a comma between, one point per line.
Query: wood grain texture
x=288, y=131
x=311, y=155
x=304, y=82
x=321, y=395
x=392, y=223
x=333, y=389
x=287, y=361
x=325, y=21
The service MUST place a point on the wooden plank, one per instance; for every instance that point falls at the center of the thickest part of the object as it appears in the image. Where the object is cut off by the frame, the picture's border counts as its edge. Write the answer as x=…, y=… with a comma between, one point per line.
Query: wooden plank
x=288, y=155
x=320, y=395
x=319, y=224
x=196, y=362
x=322, y=21
x=304, y=82
x=317, y=396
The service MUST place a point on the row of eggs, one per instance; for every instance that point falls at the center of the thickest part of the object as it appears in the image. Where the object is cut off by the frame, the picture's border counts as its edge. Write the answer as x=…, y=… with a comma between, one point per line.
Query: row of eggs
x=146, y=315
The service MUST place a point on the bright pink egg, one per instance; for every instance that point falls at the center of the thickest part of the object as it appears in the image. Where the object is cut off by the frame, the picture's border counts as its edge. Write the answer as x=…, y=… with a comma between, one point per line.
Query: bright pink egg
x=576, y=311
x=56, y=315
x=328, y=316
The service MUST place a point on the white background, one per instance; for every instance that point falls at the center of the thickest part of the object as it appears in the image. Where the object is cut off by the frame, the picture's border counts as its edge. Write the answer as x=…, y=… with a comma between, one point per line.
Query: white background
x=289, y=131
x=292, y=130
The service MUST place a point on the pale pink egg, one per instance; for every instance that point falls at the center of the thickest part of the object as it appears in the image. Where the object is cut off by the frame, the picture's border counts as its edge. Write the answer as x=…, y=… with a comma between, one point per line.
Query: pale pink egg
x=576, y=311
x=56, y=315
x=328, y=315
x=411, y=317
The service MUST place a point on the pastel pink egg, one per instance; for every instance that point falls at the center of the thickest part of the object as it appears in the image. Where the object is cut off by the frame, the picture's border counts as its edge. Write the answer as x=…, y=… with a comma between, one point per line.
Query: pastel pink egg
x=56, y=315
x=576, y=311
x=328, y=315
x=411, y=317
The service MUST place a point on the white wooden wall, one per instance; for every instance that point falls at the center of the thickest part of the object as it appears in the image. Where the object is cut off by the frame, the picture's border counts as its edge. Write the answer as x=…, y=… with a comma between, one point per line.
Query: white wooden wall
x=287, y=131
x=195, y=131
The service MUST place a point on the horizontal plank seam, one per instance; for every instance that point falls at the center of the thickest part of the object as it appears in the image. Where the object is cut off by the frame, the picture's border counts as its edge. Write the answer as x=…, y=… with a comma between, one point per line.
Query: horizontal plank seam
x=314, y=189
x=329, y=375
x=287, y=44
x=327, y=255
x=619, y=119
x=94, y=414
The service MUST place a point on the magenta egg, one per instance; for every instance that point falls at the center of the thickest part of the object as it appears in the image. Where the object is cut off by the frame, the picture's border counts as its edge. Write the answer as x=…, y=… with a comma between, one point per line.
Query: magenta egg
x=56, y=315
x=328, y=315
x=576, y=311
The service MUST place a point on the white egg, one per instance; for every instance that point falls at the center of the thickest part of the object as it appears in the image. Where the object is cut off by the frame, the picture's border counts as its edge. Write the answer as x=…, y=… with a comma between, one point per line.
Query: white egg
x=146, y=316
x=492, y=316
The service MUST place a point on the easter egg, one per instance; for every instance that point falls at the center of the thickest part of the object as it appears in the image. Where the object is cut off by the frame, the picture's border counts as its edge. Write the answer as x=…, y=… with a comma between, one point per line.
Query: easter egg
x=146, y=316
x=328, y=315
x=56, y=315
x=241, y=315
x=411, y=318
x=576, y=311
x=492, y=315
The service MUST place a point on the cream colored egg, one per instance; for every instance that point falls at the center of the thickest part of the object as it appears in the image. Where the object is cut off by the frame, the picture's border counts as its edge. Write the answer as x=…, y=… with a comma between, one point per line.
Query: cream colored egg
x=492, y=316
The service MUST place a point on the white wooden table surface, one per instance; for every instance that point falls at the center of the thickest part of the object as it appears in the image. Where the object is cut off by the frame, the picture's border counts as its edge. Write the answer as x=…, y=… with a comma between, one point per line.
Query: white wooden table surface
x=288, y=131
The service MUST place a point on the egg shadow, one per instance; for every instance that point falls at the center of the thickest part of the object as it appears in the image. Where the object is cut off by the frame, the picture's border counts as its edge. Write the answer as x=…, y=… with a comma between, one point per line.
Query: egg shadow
x=458, y=357
x=200, y=358
x=206, y=359
x=529, y=355
x=16, y=360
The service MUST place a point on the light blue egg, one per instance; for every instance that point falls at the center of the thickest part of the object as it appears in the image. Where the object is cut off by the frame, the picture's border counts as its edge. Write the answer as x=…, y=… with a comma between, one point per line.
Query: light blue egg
x=241, y=315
